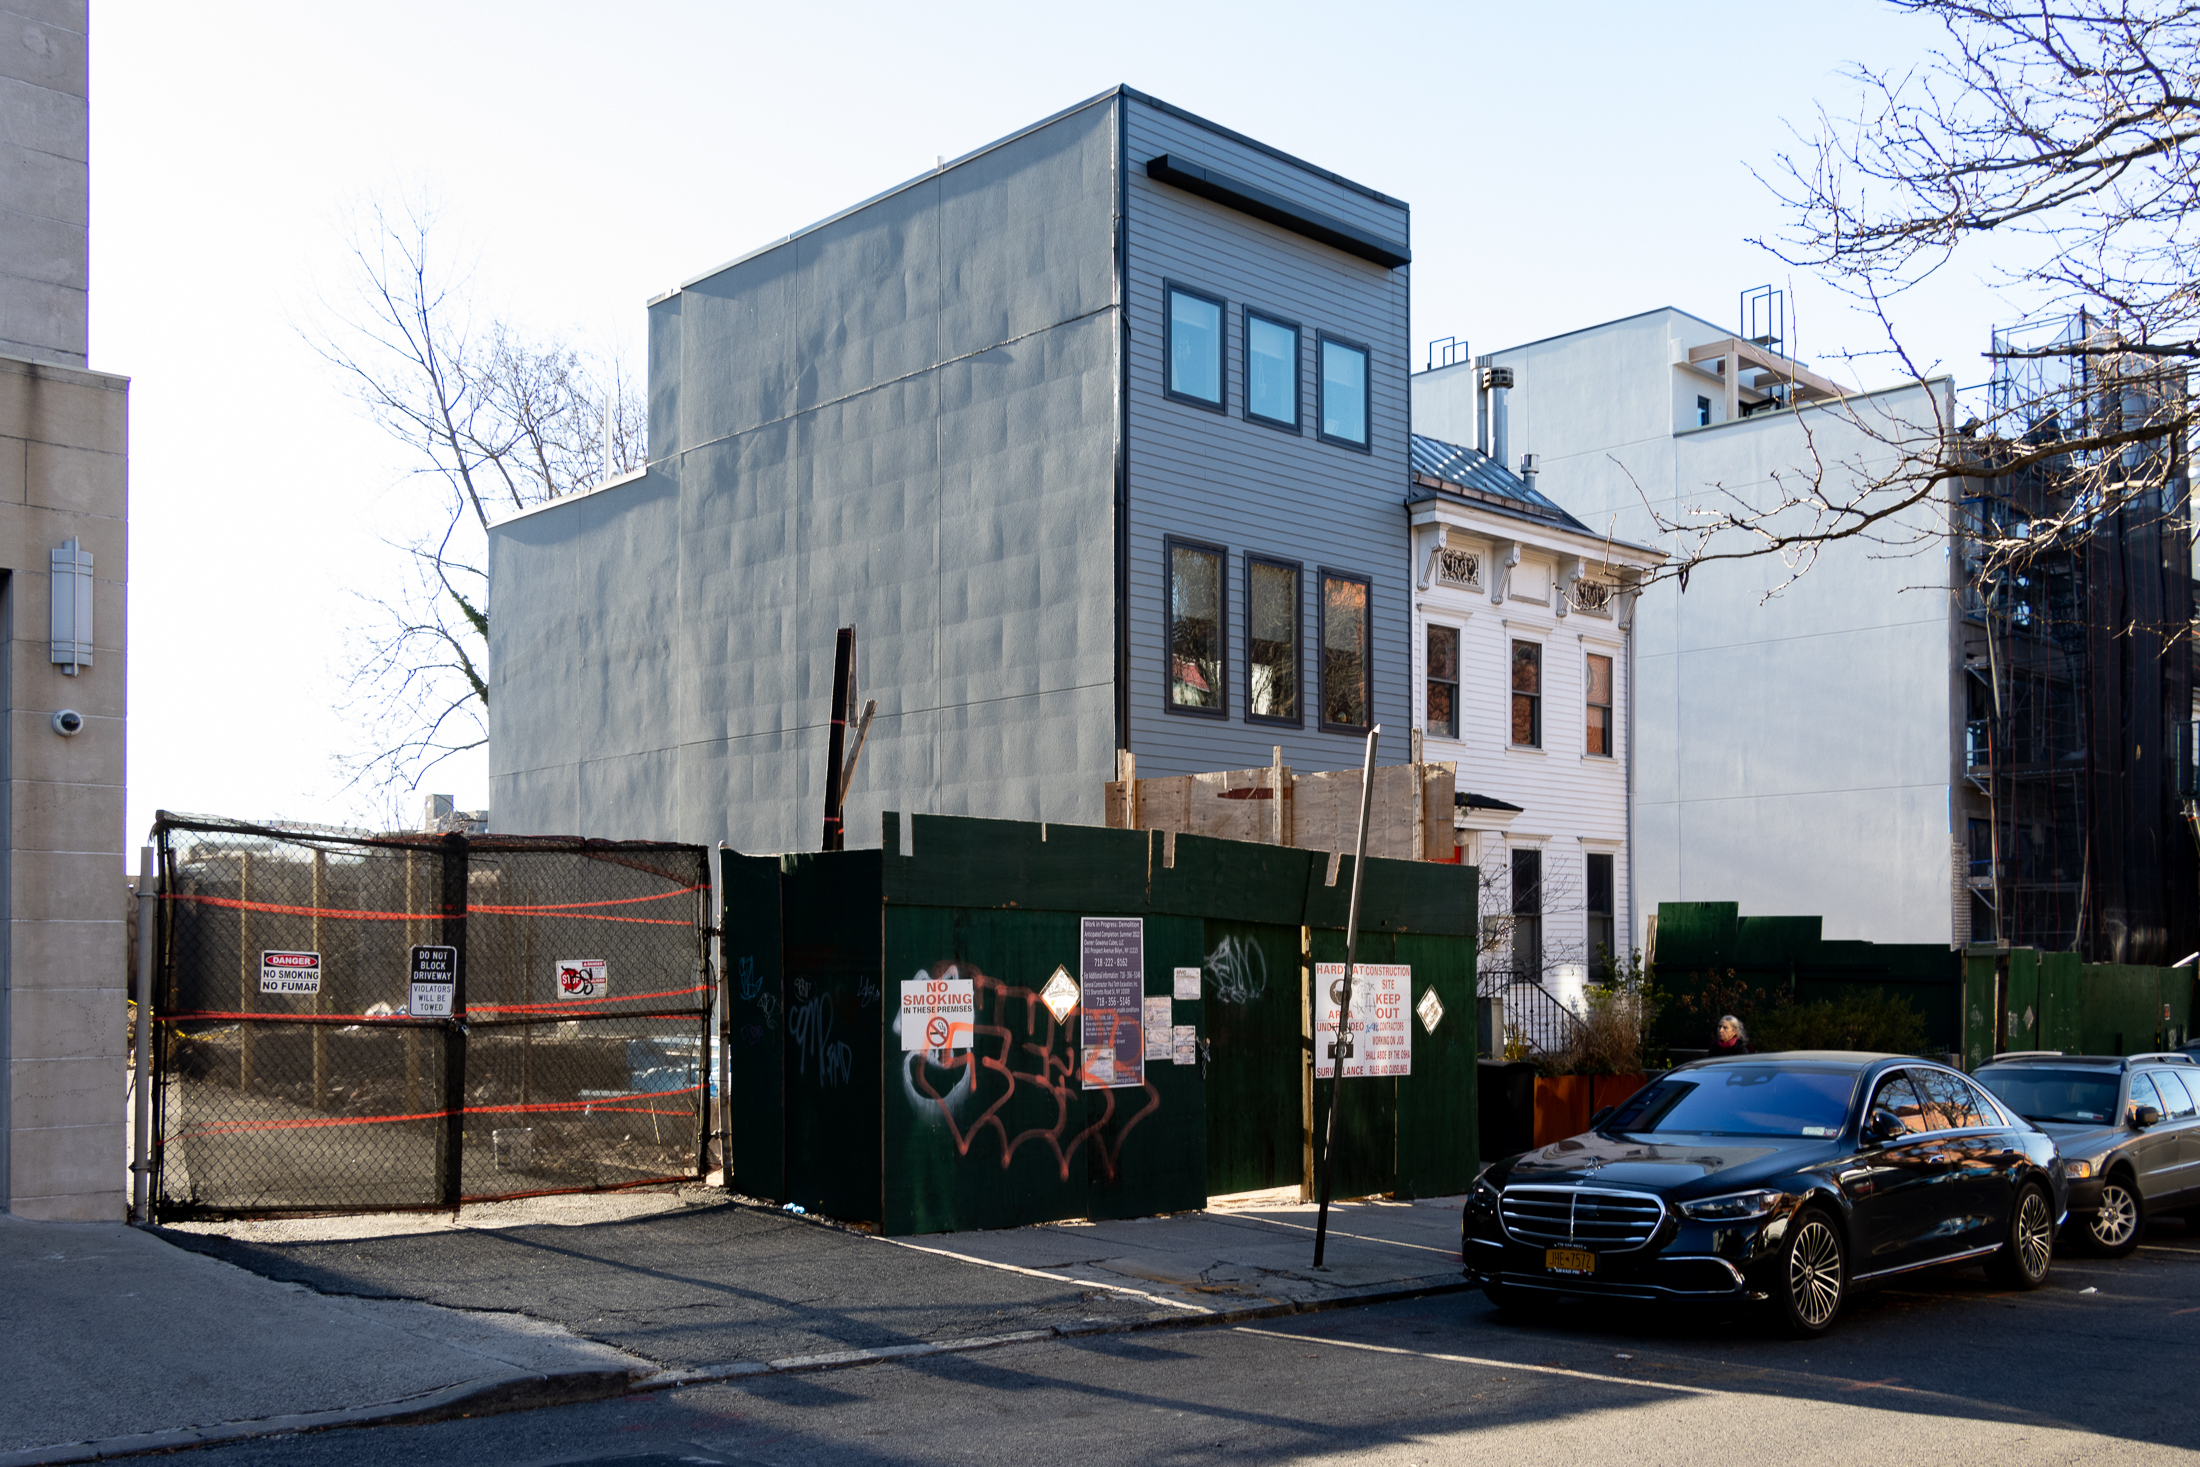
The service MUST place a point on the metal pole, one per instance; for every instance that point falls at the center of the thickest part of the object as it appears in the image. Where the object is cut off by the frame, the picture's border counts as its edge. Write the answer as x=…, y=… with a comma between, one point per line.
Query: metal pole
x=725, y=1020
x=455, y=865
x=142, y=1119
x=1344, y=1002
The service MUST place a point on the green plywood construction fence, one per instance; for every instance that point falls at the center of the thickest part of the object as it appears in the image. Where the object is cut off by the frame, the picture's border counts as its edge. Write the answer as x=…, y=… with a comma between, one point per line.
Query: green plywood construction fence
x=1703, y=944
x=1974, y=1000
x=831, y=1111
x=2055, y=1001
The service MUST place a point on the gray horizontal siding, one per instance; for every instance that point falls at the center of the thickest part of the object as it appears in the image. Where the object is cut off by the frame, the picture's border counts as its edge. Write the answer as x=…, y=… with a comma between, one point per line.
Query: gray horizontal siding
x=905, y=419
x=1225, y=480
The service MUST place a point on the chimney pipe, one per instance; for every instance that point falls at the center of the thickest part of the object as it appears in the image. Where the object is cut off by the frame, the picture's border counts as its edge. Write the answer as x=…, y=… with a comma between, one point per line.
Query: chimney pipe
x=1496, y=382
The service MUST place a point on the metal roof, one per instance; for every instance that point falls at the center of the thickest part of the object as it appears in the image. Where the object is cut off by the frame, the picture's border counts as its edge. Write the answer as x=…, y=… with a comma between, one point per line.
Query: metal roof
x=1472, y=474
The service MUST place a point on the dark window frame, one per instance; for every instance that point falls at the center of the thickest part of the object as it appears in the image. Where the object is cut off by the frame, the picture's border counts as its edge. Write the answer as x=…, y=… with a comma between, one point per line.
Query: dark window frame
x=1324, y=575
x=1610, y=727
x=1606, y=916
x=1298, y=639
x=1527, y=911
x=1703, y=411
x=1170, y=544
x=1297, y=426
x=1512, y=654
x=1367, y=390
x=1221, y=404
x=1429, y=679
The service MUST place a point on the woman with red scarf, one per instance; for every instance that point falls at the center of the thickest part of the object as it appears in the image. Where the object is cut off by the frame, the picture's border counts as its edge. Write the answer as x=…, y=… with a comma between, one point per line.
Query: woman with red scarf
x=1732, y=1038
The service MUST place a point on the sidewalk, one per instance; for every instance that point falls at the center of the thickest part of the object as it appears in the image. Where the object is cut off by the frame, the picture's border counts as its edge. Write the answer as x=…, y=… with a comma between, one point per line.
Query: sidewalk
x=110, y=1335
x=211, y=1331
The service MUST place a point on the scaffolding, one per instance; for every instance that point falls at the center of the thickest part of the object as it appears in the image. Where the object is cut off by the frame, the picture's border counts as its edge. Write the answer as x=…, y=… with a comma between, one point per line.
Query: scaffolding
x=2077, y=657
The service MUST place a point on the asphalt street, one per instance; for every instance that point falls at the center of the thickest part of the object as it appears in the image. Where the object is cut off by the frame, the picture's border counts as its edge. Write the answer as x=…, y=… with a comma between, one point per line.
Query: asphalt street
x=706, y=1285
x=2092, y=1368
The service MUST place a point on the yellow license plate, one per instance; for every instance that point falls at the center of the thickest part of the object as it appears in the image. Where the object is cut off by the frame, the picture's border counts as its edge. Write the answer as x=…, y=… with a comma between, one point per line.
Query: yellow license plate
x=1569, y=1260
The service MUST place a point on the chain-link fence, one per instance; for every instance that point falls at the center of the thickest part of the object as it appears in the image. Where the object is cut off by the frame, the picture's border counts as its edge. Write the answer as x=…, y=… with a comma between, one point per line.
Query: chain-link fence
x=353, y=1023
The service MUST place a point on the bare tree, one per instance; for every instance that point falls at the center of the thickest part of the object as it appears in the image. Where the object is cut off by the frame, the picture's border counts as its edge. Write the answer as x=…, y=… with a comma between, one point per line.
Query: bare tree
x=2062, y=141
x=497, y=421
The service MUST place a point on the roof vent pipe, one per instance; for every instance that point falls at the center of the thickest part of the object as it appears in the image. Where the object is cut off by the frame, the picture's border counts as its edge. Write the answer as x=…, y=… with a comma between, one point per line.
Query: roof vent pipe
x=1496, y=382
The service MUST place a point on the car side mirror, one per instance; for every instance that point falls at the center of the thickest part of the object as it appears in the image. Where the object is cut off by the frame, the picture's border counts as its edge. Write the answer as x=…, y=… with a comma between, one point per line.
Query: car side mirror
x=1601, y=1116
x=1883, y=1126
x=2143, y=1116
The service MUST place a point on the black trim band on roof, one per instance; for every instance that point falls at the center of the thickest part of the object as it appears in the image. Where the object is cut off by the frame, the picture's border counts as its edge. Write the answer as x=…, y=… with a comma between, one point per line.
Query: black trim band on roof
x=1246, y=198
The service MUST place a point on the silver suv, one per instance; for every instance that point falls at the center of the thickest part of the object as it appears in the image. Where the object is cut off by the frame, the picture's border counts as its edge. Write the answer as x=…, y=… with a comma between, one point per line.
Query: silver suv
x=2128, y=1128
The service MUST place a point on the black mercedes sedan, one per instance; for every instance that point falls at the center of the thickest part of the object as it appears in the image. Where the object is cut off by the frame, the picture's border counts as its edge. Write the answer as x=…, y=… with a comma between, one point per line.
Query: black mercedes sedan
x=1785, y=1178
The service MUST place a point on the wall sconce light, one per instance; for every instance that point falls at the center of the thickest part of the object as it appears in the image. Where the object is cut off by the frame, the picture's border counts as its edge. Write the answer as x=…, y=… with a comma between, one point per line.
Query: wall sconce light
x=72, y=607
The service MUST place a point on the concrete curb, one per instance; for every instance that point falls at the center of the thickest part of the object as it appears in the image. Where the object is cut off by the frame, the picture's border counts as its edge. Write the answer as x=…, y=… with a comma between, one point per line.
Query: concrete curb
x=577, y=1387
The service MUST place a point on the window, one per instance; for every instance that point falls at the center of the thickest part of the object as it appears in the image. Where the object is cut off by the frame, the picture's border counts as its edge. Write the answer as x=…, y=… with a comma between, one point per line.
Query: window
x=1527, y=915
x=1194, y=347
x=1443, y=681
x=2176, y=1097
x=1600, y=907
x=1272, y=640
x=1600, y=705
x=1950, y=1103
x=1344, y=392
x=1272, y=371
x=1527, y=725
x=2143, y=1093
x=1196, y=670
x=1345, y=642
x=1898, y=1097
x=1703, y=412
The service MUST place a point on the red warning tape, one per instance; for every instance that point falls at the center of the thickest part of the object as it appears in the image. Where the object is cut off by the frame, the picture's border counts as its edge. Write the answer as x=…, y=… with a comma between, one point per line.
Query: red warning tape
x=579, y=1005
x=554, y=909
x=573, y=1006
x=310, y=1122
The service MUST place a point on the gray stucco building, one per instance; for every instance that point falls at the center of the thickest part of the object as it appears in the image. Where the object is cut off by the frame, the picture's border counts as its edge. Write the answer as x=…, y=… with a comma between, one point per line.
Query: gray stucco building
x=1098, y=434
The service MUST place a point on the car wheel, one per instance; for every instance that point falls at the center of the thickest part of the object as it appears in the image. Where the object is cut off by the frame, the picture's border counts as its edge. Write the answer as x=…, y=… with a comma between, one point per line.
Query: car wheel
x=2114, y=1229
x=2030, y=1245
x=1814, y=1274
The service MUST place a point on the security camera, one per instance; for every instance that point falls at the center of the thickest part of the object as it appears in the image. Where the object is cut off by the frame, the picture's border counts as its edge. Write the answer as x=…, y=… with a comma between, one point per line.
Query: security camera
x=68, y=723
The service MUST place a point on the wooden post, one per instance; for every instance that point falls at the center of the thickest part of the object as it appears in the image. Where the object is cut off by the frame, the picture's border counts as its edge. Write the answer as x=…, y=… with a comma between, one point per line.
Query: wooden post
x=1275, y=796
x=320, y=989
x=844, y=671
x=245, y=968
x=1129, y=761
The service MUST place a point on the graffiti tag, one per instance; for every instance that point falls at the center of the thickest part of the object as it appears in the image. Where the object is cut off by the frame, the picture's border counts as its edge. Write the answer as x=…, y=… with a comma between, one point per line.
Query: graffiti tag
x=811, y=1027
x=1238, y=970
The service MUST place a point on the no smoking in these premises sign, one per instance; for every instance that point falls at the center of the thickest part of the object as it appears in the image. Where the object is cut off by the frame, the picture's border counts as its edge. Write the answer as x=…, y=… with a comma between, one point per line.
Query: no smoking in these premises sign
x=937, y=1013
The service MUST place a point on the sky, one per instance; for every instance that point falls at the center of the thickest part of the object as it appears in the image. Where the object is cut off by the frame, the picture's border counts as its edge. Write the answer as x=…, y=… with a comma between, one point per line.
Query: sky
x=1565, y=164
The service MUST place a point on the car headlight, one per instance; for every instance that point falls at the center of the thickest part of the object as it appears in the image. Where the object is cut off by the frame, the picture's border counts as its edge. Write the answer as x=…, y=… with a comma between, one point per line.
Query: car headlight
x=1734, y=1207
x=1484, y=1194
x=2077, y=1171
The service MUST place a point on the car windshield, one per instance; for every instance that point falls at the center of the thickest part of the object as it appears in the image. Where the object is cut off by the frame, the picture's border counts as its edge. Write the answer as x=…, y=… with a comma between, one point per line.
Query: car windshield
x=2081, y=1097
x=1741, y=1100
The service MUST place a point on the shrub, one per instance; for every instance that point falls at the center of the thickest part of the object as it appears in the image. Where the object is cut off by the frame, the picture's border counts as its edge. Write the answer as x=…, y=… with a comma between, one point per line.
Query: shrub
x=1864, y=1018
x=1616, y=1015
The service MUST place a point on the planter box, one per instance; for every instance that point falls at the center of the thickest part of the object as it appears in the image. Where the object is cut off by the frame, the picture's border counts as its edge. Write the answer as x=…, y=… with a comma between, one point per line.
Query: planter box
x=1564, y=1103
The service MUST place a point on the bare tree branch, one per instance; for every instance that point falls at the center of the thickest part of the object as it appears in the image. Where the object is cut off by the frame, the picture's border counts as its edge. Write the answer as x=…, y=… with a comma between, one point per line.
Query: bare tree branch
x=498, y=422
